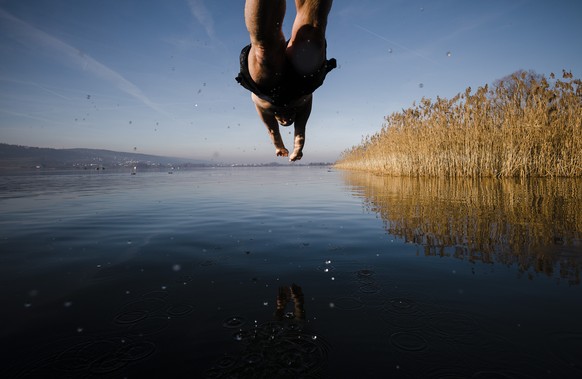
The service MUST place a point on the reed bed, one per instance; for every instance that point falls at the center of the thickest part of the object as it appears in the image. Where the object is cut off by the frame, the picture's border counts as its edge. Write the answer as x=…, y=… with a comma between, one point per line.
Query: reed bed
x=522, y=126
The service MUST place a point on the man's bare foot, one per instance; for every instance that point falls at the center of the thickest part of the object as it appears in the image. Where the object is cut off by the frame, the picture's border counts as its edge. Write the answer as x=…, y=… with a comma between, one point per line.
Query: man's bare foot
x=282, y=152
x=297, y=155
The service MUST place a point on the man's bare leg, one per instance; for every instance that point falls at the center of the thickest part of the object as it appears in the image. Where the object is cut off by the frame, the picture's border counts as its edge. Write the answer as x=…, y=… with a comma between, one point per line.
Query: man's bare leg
x=273, y=129
x=300, y=123
x=307, y=46
x=264, y=21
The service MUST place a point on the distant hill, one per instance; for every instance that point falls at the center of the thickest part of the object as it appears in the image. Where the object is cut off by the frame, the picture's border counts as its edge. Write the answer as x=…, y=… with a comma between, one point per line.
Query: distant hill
x=25, y=157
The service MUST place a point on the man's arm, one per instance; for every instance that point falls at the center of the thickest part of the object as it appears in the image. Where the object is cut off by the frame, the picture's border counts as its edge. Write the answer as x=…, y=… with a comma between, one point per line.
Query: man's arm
x=301, y=118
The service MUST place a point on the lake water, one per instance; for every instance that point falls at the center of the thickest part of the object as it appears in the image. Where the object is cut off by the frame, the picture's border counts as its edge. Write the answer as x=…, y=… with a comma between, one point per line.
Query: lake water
x=289, y=272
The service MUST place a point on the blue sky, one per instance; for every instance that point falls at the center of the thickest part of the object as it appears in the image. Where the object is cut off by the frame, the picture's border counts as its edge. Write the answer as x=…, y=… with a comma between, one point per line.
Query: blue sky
x=157, y=76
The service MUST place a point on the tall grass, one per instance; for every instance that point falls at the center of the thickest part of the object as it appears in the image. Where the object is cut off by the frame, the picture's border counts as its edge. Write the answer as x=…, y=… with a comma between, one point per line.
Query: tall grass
x=523, y=126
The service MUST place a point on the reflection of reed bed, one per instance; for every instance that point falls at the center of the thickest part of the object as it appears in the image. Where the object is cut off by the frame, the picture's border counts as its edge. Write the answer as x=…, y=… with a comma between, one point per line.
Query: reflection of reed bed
x=533, y=224
x=523, y=126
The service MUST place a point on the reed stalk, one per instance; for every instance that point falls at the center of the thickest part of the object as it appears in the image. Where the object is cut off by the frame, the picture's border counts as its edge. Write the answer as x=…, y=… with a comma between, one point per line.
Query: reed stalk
x=522, y=126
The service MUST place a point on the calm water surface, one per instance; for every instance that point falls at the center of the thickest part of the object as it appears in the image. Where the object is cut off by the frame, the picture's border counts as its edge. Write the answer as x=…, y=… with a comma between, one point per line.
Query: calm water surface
x=289, y=272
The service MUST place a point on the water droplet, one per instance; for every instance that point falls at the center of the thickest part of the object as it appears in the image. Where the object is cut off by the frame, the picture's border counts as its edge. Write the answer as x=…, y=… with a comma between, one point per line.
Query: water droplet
x=130, y=122
x=88, y=97
x=129, y=242
x=164, y=287
x=331, y=305
x=265, y=303
x=420, y=85
x=176, y=267
x=390, y=51
x=27, y=305
x=67, y=304
x=79, y=330
x=327, y=262
x=448, y=54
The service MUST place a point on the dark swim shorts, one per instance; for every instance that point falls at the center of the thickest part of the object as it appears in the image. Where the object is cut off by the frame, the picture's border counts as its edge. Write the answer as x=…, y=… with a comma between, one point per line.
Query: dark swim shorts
x=293, y=85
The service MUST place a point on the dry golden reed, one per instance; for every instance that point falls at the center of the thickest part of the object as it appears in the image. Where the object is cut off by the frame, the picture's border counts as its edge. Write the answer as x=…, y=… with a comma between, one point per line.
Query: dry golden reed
x=523, y=126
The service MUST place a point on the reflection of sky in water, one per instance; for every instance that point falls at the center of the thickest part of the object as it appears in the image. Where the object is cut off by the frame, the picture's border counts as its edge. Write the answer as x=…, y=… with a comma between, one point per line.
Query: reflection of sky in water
x=128, y=275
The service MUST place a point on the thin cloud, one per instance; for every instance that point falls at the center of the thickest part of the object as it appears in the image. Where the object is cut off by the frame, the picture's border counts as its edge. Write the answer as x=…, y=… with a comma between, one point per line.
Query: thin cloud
x=203, y=16
x=77, y=57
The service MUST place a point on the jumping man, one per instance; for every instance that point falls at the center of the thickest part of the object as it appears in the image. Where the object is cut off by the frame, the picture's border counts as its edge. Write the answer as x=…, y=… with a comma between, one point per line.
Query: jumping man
x=282, y=74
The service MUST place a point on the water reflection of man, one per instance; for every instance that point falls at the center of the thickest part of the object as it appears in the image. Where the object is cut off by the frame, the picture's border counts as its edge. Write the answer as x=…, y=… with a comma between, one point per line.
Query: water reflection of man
x=286, y=294
x=282, y=74
x=282, y=348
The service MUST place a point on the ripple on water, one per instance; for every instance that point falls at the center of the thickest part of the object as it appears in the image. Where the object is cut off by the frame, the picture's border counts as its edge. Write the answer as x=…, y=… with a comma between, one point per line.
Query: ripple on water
x=179, y=310
x=501, y=374
x=365, y=273
x=131, y=316
x=139, y=309
x=448, y=373
x=348, y=303
x=101, y=356
x=120, y=358
x=275, y=349
x=404, y=313
x=409, y=341
x=455, y=325
x=234, y=322
x=567, y=347
x=149, y=326
x=370, y=288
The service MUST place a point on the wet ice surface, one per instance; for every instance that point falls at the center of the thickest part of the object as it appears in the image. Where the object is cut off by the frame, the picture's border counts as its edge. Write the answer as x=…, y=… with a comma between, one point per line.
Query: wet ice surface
x=119, y=275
